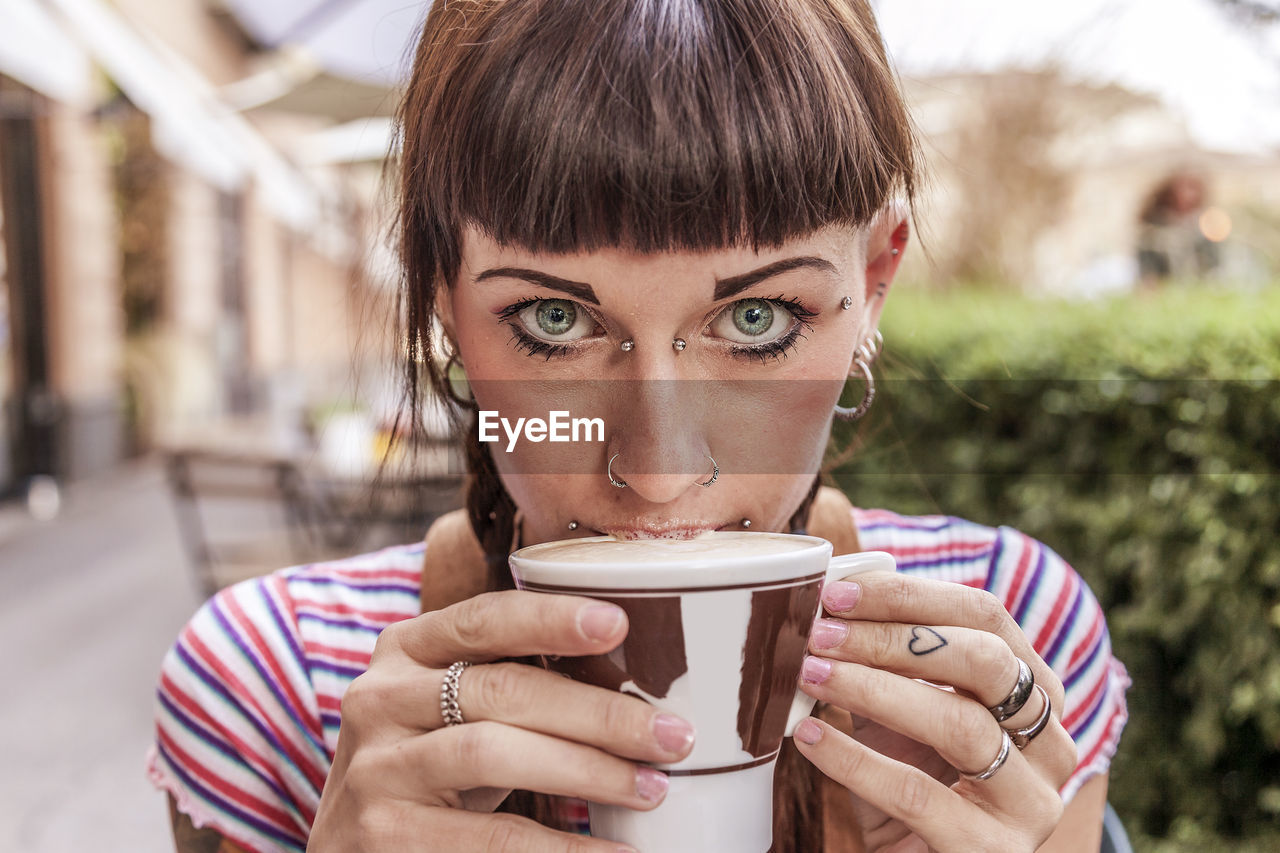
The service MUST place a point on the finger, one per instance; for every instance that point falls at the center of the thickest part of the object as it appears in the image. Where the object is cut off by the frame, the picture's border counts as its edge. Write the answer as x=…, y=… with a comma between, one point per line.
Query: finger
x=907, y=794
x=1053, y=751
x=978, y=662
x=883, y=597
x=513, y=623
x=525, y=696
x=485, y=754
x=399, y=825
x=959, y=729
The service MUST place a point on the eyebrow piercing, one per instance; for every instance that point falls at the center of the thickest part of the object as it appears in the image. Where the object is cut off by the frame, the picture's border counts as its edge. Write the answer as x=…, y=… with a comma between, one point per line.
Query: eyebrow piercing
x=846, y=303
x=628, y=345
x=679, y=344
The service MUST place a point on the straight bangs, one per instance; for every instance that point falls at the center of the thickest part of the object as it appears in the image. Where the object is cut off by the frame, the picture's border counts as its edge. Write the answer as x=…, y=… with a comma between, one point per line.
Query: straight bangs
x=654, y=125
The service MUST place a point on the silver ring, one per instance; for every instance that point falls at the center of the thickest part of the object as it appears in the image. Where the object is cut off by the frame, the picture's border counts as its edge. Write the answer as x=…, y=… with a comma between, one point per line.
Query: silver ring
x=621, y=484
x=449, y=694
x=1018, y=696
x=1022, y=737
x=714, y=474
x=1005, y=745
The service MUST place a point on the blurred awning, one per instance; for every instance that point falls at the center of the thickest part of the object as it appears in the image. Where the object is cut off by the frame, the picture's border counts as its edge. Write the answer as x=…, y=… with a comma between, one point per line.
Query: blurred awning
x=35, y=51
x=190, y=125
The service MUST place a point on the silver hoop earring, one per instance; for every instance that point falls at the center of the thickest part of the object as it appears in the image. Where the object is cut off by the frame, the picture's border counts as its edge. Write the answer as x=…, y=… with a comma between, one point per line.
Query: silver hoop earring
x=715, y=473
x=621, y=484
x=456, y=360
x=868, y=352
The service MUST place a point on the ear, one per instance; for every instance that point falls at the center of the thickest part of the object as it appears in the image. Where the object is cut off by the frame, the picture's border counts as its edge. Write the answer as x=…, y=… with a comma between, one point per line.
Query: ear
x=886, y=245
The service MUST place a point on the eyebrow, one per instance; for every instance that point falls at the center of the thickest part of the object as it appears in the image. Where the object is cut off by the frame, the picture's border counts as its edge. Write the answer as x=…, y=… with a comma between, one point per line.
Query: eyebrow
x=725, y=287
x=577, y=289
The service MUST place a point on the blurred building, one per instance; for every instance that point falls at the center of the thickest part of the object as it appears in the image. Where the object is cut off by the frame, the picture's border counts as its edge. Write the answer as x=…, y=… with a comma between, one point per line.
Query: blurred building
x=168, y=261
x=1046, y=182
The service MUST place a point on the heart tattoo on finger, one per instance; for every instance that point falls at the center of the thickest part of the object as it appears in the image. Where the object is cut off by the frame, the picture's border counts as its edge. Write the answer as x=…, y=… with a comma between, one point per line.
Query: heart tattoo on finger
x=924, y=641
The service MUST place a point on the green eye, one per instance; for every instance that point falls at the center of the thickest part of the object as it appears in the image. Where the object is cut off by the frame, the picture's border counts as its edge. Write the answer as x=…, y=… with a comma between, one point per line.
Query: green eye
x=752, y=317
x=555, y=316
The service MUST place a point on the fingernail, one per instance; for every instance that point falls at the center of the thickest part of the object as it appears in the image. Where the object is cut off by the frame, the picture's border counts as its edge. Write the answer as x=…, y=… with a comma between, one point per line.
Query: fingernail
x=599, y=621
x=841, y=596
x=650, y=784
x=828, y=633
x=808, y=731
x=672, y=733
x=816, y=670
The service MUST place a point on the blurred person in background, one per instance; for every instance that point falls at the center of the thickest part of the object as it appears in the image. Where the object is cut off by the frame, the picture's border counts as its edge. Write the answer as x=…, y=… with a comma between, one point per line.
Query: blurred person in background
x=690, y=189
x=1172, y=243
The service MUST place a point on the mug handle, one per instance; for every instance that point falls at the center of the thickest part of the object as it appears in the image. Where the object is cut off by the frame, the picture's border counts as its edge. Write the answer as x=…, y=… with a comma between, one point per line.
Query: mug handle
x=840, y=567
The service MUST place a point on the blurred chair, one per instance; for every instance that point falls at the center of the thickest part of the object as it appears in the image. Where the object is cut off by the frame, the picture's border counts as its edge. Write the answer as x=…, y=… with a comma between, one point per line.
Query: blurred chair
x=240, y=516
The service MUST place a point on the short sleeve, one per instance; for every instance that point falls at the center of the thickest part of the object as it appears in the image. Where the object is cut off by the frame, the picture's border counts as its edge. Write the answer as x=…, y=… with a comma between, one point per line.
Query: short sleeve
x=238, y=737
x=1066, y=625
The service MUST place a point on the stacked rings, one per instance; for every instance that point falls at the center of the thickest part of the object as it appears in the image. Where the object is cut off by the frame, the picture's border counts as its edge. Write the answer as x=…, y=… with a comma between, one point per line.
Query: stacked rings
x=1001, y=758
x=449, y=694
x=1014, y=702
x=1022, y=737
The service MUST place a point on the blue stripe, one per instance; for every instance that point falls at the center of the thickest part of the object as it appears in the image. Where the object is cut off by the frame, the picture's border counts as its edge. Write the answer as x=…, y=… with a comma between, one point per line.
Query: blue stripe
x=1064, y=628
x=1092, y=715
x=348, y=624
x=377, y=587
x=233, y=705
x=336, y=668
x=251, y=657
x=286, y=630
x=1080, y=670
x=293, y=842
x=942, y=561
x=1033, y=585
x=218, y=744
x=989, y=585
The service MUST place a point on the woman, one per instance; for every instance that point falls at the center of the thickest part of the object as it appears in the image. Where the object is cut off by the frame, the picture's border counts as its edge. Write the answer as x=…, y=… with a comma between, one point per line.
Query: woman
x=604, y=205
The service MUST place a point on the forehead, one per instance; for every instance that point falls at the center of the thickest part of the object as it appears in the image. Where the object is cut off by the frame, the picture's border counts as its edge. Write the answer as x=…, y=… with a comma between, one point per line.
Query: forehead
x=840, y=244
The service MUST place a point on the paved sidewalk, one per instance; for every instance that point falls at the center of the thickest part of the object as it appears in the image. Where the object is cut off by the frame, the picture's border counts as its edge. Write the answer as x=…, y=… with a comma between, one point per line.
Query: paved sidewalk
x=90, y=603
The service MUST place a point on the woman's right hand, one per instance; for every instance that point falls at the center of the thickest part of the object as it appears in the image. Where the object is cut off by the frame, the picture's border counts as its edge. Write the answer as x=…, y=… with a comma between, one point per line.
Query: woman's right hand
x=401, y=780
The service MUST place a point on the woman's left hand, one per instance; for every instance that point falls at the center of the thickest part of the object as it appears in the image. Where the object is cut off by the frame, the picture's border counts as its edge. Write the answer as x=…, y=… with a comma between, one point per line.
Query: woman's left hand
x=917, y=746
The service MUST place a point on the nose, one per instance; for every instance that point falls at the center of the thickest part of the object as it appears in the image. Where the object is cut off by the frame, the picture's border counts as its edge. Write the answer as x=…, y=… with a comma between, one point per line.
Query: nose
x=659, y=450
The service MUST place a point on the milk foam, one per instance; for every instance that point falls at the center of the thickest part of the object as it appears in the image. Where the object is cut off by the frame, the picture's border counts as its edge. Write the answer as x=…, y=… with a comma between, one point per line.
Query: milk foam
x=715, y=544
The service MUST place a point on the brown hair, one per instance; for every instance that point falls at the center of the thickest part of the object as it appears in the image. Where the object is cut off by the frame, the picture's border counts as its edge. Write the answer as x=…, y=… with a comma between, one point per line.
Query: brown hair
x=654, y=125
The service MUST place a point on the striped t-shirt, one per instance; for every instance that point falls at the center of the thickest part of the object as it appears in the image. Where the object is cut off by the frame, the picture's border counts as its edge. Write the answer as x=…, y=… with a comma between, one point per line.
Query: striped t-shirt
x=249, y=696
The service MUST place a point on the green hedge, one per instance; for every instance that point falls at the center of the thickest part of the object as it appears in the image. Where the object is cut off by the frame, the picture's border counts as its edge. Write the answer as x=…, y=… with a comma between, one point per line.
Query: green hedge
x=1140, y=438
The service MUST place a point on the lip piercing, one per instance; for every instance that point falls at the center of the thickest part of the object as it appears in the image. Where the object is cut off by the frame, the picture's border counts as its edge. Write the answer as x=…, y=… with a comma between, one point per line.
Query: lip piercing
x=679, y=344
x=621, y=484
x=846, y=303
x=714, y=473
x=896, y=252
x=628, y=345
x=573, y=525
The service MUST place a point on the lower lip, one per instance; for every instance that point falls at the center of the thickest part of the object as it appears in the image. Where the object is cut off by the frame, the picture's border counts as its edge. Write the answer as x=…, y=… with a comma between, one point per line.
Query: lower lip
x=666, y=533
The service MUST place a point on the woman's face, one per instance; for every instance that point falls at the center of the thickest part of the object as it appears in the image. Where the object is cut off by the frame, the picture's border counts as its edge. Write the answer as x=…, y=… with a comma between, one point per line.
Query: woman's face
x=768, y=344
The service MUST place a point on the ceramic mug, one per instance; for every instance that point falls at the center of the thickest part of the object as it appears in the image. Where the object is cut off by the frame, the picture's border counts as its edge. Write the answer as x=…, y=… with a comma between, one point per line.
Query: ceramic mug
x=719, y=625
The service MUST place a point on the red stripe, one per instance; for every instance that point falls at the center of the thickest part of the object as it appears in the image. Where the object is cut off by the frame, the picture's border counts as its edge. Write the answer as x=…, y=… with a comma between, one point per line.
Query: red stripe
x=345, y=655
x=328, y=702
x=1106, y=739
x=373, y=574
x=246, y=625
x=1084, y=707
x=1021, y=575
x=1086, y=645
x=380, y=617
x=1057, y=612
x=253, y=758
x=237, y=688
x=972, y=548
x=282, y=820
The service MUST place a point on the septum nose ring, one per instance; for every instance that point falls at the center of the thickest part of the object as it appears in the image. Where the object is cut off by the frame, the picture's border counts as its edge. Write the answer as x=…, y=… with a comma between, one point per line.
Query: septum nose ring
x=622, y=484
